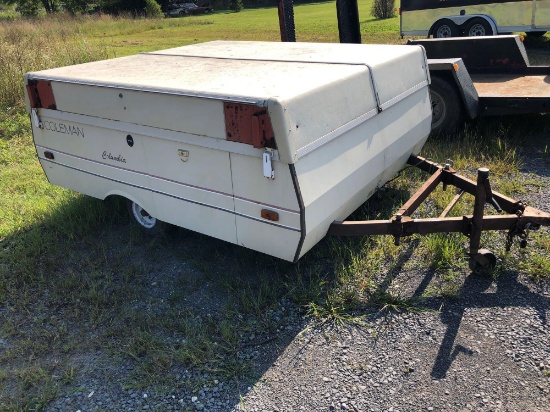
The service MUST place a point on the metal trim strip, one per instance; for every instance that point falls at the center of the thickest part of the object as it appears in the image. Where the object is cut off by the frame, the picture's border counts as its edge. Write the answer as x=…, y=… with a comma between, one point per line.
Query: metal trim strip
x=171, y=195
x=300, y=199
x=150, y=131
x=303, y=151
x=404, y=95
x=414, y=32
x=421, y=5
x=34, y=76
x=168, y=180
x=259, y=60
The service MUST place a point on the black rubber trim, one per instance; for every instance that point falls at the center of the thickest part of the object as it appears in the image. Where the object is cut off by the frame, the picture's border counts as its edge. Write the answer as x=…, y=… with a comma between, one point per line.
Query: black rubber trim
x=302, y=211
x=411, y=5
x=36, y=151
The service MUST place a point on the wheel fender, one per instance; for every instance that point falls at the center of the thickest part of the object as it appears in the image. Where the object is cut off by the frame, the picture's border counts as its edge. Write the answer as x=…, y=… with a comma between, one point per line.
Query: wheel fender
x=461, y=20
x=460, y=79
x=486, y=17
x=147, y=204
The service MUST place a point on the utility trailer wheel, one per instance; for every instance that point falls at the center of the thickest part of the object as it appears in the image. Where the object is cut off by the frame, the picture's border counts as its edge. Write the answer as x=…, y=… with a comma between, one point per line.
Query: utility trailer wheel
x=446, y=105
x=478, y=27
x=483, y=262
x=445, y=28
x=147, y=224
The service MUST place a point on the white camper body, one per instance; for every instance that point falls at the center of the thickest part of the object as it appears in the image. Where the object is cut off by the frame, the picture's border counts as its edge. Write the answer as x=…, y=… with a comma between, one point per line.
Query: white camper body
x=259, y=144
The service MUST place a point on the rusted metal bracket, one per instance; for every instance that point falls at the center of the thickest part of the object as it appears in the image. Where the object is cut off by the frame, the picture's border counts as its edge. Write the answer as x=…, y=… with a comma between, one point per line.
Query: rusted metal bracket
x=514, y=216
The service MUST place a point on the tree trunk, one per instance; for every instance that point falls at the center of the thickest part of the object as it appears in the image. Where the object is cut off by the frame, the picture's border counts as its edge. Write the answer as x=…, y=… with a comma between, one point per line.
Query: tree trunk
x=49, y=5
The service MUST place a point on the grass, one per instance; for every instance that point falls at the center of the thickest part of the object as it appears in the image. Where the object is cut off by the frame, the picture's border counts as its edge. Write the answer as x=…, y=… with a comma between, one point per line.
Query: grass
x=75, y=279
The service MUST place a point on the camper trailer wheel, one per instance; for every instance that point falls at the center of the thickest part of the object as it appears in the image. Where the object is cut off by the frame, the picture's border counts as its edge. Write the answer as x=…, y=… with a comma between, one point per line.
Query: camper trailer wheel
x=478, y=27
x=446, y=105
x=445, y=28
x=146, y=223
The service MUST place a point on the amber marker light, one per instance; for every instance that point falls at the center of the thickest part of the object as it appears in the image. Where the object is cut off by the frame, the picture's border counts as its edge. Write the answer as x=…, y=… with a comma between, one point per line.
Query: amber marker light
x=456, y=67
x=270, y=215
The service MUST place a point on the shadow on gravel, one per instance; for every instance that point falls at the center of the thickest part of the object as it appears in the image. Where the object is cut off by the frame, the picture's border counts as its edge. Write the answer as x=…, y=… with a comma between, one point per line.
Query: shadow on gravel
x=509, y=293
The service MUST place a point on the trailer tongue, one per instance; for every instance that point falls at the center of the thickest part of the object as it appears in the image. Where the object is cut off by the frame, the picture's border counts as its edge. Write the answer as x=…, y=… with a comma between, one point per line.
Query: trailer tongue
x=518, y=219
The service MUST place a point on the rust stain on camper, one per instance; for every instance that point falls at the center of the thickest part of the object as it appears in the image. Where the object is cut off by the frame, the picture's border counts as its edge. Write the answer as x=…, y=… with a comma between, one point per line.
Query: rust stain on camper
x=41, y=94
x=249, y=124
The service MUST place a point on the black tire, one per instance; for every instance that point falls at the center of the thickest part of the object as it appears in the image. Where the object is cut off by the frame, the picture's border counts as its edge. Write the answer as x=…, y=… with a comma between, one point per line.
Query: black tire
x=446, y=106
x=147, y=224
x=445, y=28
x=478, y=27
x=536, y=33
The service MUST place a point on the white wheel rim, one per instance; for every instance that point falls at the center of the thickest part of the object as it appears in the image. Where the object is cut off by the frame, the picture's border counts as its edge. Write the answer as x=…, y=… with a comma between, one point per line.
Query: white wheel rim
x=476, y=30
x=142, y=217
x=443, y=32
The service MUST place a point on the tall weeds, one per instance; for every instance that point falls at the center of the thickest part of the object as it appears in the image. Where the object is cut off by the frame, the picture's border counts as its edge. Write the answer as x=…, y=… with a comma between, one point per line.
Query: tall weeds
x=31, y=45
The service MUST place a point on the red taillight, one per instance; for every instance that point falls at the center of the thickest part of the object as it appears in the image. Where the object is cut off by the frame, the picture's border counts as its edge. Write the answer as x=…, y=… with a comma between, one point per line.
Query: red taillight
x=49, y=155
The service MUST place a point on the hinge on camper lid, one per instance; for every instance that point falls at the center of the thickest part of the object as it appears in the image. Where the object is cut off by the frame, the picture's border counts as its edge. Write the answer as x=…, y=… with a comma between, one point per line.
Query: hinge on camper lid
x=268, y=167
x=35, y=119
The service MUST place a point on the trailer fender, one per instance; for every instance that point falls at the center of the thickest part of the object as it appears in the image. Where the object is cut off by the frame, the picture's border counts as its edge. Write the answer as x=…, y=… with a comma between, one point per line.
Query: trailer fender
x=452, y=86
x=138, y=212
x=463, y=22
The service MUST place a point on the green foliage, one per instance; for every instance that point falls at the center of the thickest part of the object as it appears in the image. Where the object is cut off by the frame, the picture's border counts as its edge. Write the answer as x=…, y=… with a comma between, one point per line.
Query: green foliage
x=236, y=5
x=28, y=7
x=152, y=9
x=19, y=42
x=33, y=7
x=76, y=6
x=383, y=9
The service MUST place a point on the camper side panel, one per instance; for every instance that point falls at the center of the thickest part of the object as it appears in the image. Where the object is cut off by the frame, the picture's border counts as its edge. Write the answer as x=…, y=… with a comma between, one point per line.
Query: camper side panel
x=337, y=178
x=255, y=193
x=179, y=183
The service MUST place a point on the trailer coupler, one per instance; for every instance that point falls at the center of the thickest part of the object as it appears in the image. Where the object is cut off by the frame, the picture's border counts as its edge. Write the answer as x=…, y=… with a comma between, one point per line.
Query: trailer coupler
x=515, y=217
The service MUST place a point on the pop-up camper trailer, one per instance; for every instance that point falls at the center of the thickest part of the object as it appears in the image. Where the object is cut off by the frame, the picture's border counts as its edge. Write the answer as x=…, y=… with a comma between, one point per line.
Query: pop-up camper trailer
x=259, y=144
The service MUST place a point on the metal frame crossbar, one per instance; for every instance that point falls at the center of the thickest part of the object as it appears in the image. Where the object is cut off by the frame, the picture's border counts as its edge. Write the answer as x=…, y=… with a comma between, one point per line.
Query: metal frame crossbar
x=515, y=217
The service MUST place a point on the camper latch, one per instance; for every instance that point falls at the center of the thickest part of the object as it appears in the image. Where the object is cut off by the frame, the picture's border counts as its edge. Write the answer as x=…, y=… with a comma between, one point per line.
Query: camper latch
x=268, y=167
x=36, y=120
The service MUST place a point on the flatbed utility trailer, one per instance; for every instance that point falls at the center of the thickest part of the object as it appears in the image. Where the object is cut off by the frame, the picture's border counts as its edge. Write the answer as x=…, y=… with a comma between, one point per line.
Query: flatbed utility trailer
x=483, y=76
x=470, y=77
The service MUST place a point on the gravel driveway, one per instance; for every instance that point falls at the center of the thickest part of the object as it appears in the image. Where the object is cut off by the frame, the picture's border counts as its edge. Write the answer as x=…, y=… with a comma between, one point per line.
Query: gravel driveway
x=486, y=350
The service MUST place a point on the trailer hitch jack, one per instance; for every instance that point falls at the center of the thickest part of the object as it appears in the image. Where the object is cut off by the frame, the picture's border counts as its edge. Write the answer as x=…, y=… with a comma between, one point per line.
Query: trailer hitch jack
x=512, y=215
